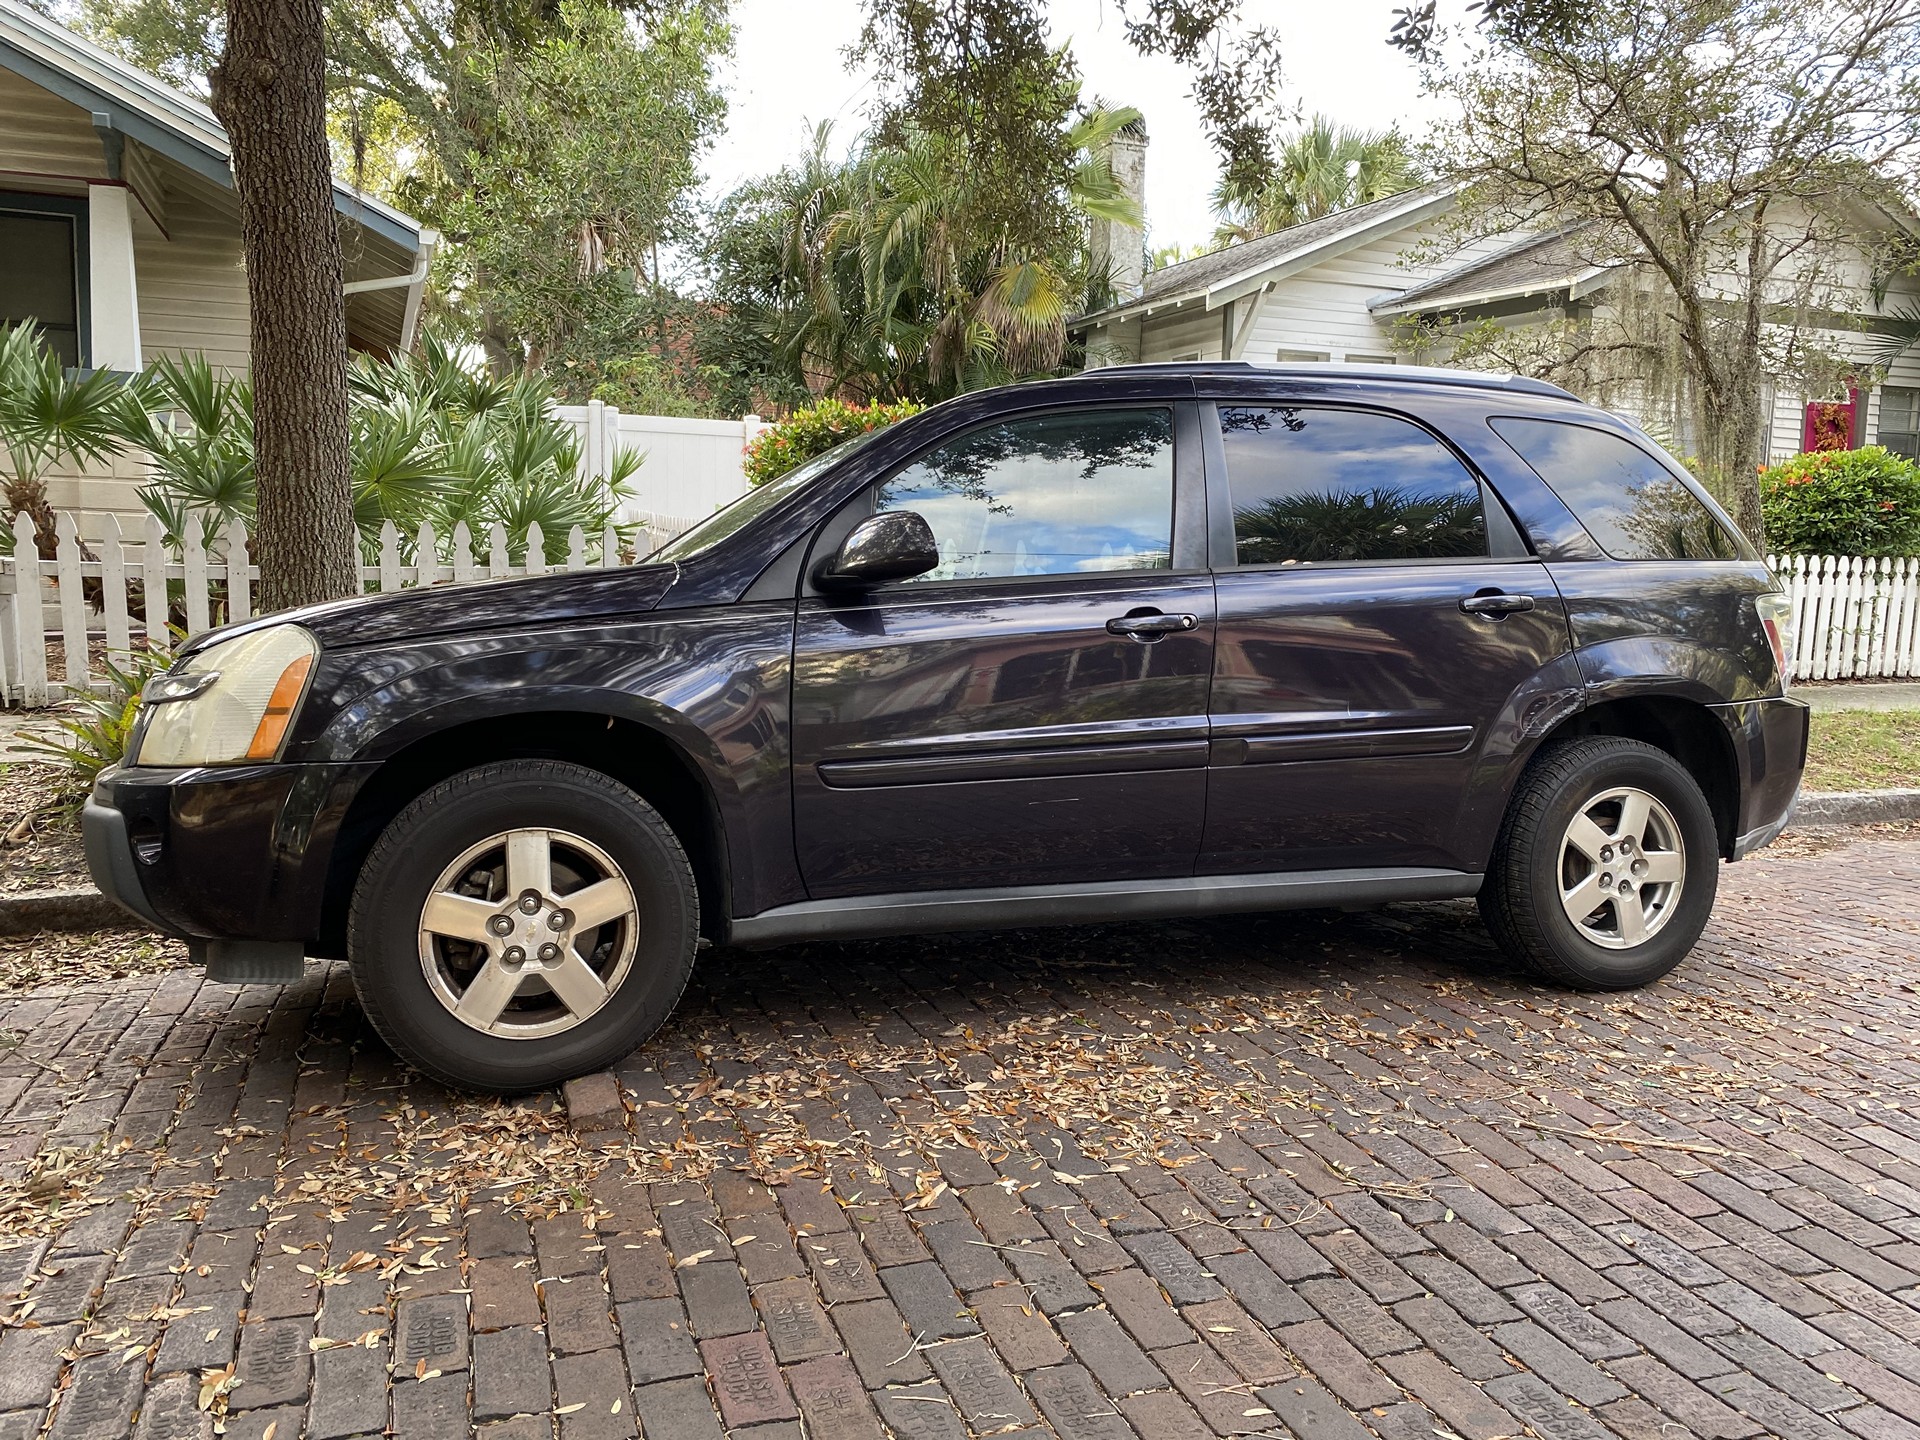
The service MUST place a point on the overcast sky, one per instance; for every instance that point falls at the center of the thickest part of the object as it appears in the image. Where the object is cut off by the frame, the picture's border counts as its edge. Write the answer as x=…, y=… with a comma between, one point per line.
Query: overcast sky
x=787, y=73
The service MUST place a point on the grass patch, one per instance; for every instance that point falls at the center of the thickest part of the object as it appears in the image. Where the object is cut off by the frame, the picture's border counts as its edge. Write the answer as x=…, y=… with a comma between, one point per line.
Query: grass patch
x=1864, y=750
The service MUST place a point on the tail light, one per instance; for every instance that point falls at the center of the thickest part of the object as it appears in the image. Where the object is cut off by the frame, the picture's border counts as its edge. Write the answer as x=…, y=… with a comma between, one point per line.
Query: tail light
x=1776, y=617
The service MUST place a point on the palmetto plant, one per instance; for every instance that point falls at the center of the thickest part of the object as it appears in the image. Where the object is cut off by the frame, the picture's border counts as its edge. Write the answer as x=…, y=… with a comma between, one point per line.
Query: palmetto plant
x=432, y=440
x=50, y=416
x=197, y=425
x=437, y=441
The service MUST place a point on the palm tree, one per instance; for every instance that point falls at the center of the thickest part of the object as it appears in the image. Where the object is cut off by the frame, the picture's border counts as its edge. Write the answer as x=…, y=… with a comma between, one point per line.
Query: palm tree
x=1898, y=333
x=1322, y=168
x=902, y=290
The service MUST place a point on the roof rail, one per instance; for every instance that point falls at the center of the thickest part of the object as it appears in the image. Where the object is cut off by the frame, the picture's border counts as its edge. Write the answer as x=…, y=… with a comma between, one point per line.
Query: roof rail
x=1339, y=370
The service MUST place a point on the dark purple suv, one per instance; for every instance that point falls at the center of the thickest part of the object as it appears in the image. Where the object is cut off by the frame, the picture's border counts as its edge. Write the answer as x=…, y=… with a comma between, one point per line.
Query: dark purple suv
x=1155, y=640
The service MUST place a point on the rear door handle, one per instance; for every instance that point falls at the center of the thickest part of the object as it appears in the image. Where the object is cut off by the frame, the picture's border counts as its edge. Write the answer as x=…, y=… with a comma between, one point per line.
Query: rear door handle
x=1151, y=626
x=1496, y=604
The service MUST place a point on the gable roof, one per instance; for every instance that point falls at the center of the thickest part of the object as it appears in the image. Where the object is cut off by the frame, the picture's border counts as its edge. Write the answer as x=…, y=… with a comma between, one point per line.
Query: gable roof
x=1225, y=275
x=128, y=101
x=1534, y=265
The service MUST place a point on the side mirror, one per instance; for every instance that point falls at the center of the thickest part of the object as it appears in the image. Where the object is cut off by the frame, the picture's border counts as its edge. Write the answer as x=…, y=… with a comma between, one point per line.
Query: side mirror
x=894, y=545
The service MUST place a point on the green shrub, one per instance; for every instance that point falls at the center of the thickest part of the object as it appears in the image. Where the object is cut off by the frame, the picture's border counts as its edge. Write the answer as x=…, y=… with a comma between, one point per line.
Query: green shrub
x=814, y=430
x=1842, y=502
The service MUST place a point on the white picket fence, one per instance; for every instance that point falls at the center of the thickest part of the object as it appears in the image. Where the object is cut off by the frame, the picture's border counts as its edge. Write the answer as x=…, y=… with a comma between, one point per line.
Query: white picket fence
x=1854, y=617
x=51, y=604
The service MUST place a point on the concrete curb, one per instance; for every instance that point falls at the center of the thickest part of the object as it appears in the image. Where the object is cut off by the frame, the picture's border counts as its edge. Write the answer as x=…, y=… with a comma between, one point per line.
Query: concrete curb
x=84, y=909
x=1854, y=807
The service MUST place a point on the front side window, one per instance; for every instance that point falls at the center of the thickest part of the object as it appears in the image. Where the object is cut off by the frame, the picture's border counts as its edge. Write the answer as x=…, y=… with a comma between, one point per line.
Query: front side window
x=1325, y=485
x=1900, y=420
x=1073, y=493
x=1629, y=502
x=40, y=276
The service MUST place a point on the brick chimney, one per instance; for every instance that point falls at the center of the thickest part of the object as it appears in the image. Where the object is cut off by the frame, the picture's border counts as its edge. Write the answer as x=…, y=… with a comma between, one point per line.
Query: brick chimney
x=1123, y=247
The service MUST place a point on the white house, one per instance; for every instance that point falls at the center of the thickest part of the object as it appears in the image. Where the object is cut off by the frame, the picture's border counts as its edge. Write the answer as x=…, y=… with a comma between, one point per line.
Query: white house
x=1340, y=289
x=120, y=230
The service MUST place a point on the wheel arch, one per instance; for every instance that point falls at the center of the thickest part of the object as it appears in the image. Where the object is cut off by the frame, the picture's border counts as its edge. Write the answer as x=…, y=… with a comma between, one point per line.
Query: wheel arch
x=1684, y=728
x=638, y=755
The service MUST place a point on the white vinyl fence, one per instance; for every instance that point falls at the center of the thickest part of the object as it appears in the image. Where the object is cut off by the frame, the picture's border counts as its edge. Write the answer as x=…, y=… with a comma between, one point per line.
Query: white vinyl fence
x=688, y=468
x=1853, y=618
x=97, y=596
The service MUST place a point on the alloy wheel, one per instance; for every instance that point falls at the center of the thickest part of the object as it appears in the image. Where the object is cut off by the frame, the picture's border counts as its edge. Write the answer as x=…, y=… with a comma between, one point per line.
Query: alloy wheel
x=528, y=933
x=1622, y=867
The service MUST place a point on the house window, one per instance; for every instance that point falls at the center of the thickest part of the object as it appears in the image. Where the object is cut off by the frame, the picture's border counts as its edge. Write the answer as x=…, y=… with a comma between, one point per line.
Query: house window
x=1900, y=420
x=43, y=238
x=1353, y=358
x=1302, y=357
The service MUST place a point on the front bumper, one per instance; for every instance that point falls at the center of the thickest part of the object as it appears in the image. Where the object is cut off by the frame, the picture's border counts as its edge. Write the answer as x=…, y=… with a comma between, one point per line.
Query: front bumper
x=219, y=854
x=1770, y=743
x=103, y=830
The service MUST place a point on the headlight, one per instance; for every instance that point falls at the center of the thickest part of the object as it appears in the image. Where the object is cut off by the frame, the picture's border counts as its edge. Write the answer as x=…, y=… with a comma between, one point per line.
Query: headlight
x=230, y=704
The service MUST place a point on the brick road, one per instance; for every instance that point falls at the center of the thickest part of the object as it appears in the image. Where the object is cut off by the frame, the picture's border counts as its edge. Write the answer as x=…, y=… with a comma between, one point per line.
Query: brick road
x=1320, y=1175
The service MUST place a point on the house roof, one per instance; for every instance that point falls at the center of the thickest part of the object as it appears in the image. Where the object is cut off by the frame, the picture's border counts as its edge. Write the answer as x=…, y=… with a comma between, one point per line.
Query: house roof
x=1225, y=275
x=127, y=100
x=1534, y=265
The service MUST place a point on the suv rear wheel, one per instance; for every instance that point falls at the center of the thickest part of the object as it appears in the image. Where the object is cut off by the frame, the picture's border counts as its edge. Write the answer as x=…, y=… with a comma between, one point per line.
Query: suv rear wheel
x=1605, y=869
x=522, y=923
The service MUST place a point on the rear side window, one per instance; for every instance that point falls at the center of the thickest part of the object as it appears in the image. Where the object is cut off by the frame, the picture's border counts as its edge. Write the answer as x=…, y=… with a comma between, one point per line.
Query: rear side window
x=1629, y=502
x=1311, y=484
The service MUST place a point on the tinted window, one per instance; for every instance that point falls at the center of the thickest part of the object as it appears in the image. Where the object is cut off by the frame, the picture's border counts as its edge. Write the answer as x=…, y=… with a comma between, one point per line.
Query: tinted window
x=1311, y=484
x=1061, y=494
x=1628, y=501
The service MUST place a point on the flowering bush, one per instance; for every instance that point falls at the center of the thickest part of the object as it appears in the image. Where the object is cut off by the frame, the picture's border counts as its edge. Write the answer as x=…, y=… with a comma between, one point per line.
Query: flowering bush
x=818, y=428
x=1843, y=502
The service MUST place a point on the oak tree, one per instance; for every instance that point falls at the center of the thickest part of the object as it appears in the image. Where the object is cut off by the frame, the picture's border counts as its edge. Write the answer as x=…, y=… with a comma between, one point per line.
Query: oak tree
x=1724, y=148
x=270, y=91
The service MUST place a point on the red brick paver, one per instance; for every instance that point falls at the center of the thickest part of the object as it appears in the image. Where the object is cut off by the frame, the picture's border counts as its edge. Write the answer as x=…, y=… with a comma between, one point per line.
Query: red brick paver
x=1308, y=1175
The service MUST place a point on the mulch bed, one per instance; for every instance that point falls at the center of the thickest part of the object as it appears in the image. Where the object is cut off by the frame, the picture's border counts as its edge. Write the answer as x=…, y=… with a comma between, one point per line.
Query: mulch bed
x=40, y=849
x=40, y=845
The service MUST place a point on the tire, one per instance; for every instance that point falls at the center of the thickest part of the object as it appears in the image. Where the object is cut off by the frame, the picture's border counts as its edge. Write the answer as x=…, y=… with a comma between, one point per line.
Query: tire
x=463, y=846
x=1545, y=868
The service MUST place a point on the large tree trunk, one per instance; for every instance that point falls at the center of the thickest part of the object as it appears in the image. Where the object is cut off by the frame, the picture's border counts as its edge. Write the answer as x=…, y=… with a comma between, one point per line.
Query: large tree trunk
x=1729, y=417
x=269, y=90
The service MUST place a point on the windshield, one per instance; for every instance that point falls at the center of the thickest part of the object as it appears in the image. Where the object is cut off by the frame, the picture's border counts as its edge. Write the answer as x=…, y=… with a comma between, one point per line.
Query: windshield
x=756, y=502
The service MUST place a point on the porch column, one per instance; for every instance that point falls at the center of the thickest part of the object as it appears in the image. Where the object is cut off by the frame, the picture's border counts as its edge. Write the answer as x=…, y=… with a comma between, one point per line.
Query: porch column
x=113, y=299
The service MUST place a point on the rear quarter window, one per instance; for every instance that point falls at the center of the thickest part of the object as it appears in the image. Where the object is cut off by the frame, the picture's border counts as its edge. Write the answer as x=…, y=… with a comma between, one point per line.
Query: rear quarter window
x=1630, y=503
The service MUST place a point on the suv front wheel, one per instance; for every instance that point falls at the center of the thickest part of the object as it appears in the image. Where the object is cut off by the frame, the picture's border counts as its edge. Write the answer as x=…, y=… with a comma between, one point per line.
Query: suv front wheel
x=522, y=923
x=1604, y=872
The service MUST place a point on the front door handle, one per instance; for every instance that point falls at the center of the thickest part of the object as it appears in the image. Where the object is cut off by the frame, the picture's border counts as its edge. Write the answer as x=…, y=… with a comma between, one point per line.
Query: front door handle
x=1496, y=604
x=1152, y=625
